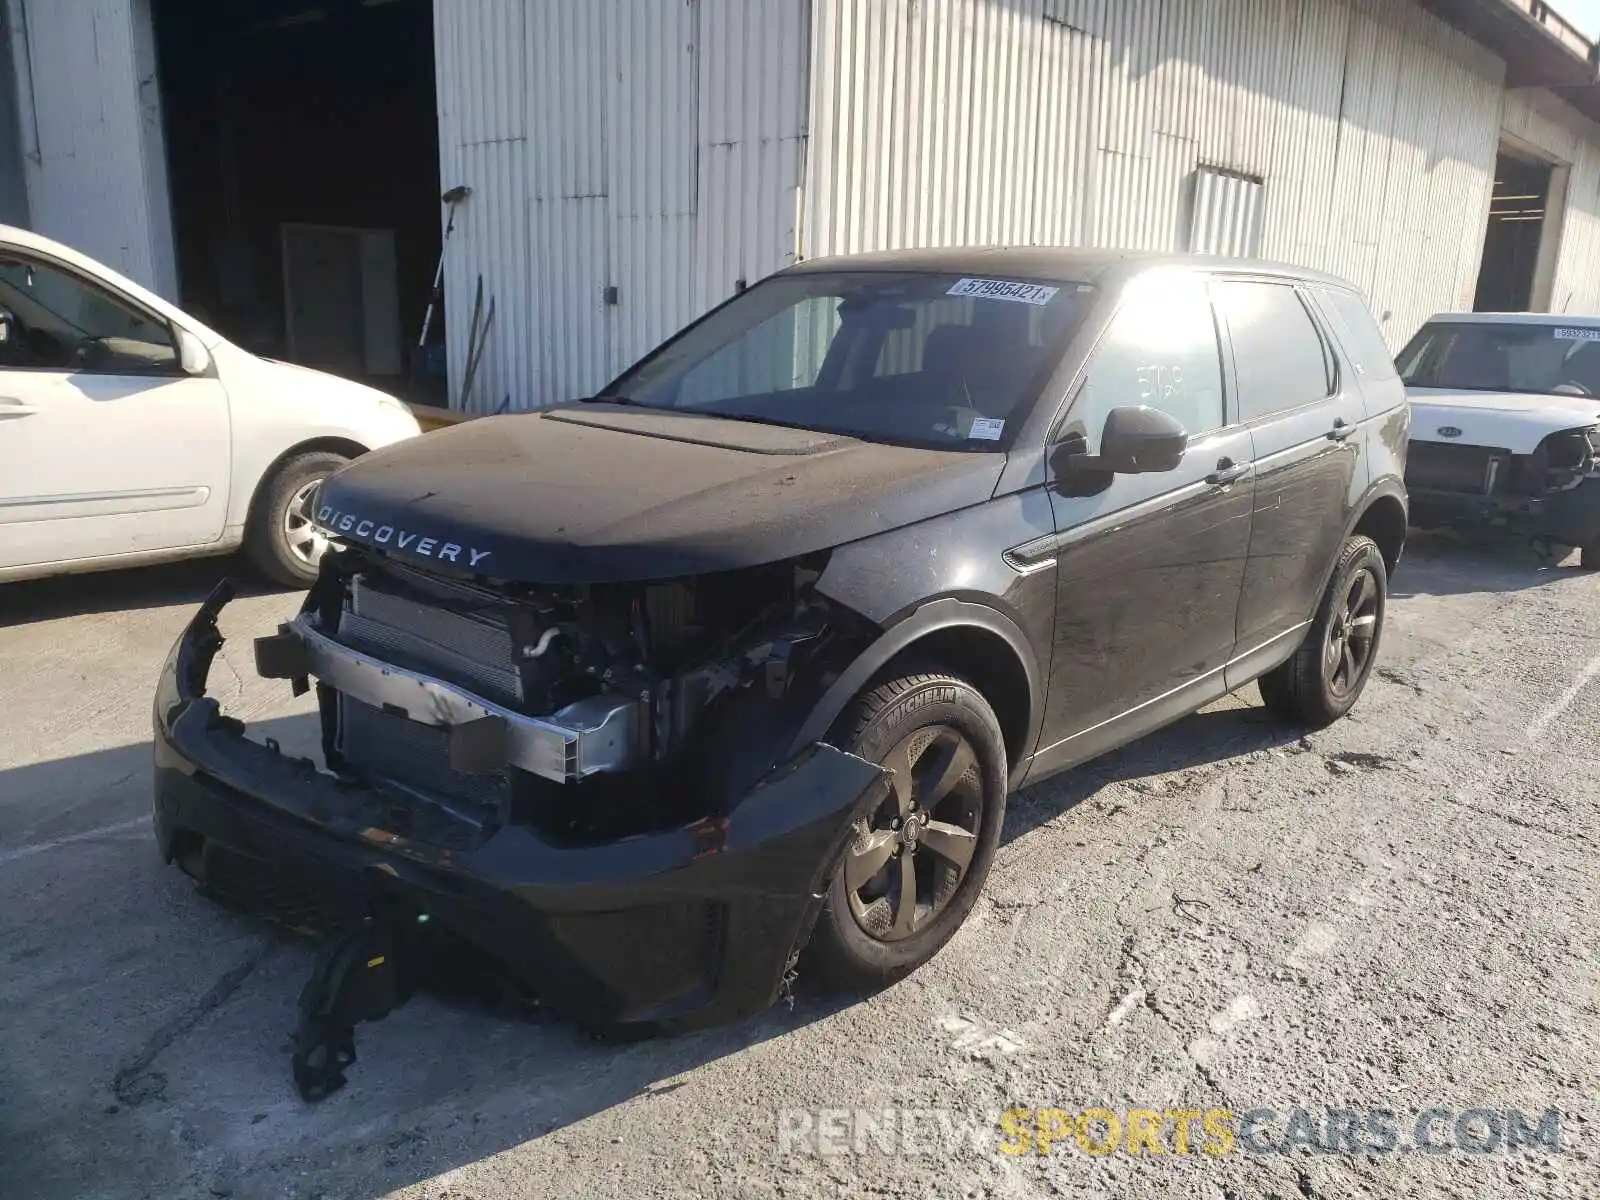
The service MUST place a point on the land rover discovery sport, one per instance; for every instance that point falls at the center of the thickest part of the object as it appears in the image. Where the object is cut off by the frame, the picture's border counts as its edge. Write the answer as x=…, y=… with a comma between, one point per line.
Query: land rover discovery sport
x=729, y=669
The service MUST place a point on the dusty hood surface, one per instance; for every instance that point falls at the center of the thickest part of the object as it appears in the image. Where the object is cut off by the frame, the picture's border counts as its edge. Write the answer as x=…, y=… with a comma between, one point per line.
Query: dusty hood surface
x=1514, y=421
x=599, y=493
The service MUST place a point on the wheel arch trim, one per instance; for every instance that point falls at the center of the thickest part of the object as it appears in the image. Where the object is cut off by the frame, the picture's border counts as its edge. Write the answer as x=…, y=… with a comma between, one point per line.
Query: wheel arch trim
x=333, y=444
x=1380, y=490
x=947, y=613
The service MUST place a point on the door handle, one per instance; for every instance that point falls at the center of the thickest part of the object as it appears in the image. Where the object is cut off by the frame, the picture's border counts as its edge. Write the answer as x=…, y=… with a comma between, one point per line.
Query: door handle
x=1341, y=430
x=1227, y=472
x=10, y=406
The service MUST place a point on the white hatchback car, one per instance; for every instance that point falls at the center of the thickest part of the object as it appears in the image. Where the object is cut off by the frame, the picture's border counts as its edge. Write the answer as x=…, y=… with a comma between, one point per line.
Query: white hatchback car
x=130, y=433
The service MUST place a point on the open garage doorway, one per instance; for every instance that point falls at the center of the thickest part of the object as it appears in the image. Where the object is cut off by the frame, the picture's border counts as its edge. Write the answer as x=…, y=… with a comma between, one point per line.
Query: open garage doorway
x=1520, y=239
x=303, y=161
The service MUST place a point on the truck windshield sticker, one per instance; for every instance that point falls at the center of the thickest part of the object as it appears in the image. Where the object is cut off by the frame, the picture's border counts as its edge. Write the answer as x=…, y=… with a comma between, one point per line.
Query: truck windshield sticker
x=1578, y=335
x=987, y=429
x=1003, y=289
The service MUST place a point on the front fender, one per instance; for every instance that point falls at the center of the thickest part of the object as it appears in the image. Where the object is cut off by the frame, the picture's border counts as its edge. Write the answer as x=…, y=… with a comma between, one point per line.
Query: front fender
x=937, y=615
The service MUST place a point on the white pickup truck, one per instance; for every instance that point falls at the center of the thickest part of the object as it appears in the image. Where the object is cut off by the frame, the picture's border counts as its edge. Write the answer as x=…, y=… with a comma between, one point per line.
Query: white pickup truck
x=130, y=433
x=1505, y=426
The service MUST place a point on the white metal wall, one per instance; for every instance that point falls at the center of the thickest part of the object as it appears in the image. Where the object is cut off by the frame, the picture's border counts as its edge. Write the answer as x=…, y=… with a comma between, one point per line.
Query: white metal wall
x=1081, y=122
x=1553, y=127
x=89, y=107
x=670, y=148
x=650, y=146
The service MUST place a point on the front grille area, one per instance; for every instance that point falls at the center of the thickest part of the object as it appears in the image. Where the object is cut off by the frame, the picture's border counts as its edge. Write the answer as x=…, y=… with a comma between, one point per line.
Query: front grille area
x=432, y=803
x=1435, y=466
x=452, y=635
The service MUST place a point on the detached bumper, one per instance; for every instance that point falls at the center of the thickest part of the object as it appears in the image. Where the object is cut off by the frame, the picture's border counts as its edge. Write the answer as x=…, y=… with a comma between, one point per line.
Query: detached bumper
x=670, y=930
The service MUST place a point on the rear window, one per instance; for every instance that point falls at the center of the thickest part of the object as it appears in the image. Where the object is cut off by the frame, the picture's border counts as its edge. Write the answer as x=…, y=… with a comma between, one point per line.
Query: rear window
x=1358, y=334
x=1278, y=353
x=1538, y=359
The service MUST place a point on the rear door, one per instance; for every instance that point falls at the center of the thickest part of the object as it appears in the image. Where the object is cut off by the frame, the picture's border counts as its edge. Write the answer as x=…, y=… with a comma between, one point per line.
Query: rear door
x=1302, y=411
x=1149, y=570
x=106, y=446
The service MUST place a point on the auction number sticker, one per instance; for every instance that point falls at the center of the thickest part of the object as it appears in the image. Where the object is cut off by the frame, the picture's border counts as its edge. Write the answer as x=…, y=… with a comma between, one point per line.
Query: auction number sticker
x=1578, y=335
x=987, y=429
x=1004, y=289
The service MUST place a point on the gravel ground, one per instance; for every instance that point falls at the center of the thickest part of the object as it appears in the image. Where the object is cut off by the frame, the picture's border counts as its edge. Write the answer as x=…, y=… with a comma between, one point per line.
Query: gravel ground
x=1399, y=913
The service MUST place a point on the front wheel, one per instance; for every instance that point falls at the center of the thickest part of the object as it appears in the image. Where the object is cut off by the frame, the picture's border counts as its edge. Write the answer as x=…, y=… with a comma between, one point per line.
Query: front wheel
x=916, y=863
x=1326, y=675
x=281, y=539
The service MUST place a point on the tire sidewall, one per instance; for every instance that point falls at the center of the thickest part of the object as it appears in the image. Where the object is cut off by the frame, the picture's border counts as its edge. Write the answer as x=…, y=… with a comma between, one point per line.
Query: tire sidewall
x=936, y=701
x=1369, y=558
x=267, y=544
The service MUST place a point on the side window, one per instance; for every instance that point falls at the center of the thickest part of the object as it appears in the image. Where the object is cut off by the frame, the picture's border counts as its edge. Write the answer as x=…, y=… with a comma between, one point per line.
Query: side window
x=1161, y=351
x=54, y=320
x=1359, y=335
x=1279, y=355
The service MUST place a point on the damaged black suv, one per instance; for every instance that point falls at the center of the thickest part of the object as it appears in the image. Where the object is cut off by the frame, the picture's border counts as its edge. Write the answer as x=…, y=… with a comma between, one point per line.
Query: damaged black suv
x=727, y=671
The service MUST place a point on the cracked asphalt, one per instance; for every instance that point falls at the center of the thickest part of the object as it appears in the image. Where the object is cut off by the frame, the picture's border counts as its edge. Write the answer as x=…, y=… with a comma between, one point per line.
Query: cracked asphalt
x=1399, y=913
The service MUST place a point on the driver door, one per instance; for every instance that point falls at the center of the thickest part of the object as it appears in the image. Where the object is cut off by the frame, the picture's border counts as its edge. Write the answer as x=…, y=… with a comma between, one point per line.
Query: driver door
x=108, y=447
x=1149, y=569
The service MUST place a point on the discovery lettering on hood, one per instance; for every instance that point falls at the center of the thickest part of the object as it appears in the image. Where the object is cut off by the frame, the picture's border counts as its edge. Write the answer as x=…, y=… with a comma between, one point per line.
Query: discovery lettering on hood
x=409, y=540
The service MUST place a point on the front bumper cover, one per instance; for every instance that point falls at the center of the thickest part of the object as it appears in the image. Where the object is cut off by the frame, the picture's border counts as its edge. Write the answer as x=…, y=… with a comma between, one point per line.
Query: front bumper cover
x=662, y=931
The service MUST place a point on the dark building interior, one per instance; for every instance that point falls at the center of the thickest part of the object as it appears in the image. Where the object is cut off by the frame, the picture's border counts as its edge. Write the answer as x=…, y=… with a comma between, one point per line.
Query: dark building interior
x=1511, y=241
x=303, y=161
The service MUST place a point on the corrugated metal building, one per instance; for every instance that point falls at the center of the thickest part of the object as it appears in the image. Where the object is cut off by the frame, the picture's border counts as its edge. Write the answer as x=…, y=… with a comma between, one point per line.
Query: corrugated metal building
x=639, y=160
x=634, y=162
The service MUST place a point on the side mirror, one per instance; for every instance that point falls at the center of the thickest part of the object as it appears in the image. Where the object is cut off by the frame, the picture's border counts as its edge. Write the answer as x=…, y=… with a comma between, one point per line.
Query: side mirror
x=10, y=332
x=1133, y=441
x=193, y=356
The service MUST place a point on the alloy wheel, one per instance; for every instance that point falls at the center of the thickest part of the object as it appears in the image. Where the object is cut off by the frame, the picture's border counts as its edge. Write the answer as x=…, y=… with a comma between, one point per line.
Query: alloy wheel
x=909, y=856
x=306, y=543
x=1351, y=635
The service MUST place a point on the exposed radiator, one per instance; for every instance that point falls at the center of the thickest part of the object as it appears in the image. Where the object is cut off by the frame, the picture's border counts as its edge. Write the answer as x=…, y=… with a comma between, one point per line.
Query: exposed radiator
x=470, y=649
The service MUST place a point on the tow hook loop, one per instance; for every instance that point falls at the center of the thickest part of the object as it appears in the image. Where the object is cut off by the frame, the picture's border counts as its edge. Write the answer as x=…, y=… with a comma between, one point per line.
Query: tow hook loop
x=356, y=978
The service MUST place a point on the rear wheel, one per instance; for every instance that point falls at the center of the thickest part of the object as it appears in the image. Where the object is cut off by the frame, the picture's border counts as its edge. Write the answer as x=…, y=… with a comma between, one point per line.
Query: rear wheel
x=1327, y=674
x=282, y=540
x=917, y=861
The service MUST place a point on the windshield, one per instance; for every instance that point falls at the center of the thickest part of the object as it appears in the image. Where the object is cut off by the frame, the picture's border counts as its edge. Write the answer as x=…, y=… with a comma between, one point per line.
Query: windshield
x=1543, y=359
x=915, y=359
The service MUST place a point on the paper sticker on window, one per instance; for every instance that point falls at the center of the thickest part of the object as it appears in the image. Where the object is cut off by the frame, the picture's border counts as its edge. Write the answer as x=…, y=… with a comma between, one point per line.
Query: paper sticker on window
x=987, y=429
x=1578, y=335
x=1003, y=289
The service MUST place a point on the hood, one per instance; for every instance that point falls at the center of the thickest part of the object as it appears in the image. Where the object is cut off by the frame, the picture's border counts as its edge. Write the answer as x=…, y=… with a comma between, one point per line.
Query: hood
x=1514, y=421
x=600, y=493
x=326, y=388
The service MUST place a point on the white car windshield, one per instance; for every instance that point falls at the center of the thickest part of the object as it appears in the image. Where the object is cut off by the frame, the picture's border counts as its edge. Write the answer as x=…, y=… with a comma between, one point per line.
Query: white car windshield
x=1541, y=359
x=918, y=359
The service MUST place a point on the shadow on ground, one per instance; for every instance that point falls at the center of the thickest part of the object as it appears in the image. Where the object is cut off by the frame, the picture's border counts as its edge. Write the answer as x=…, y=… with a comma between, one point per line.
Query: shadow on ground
x=1450, y=562
x=118, y=591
